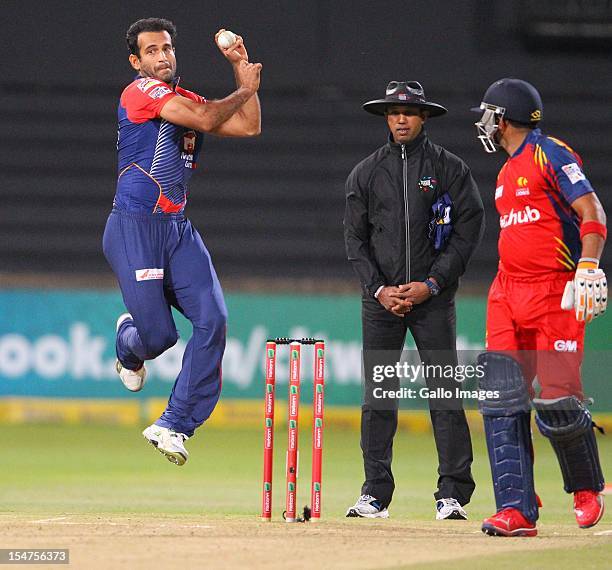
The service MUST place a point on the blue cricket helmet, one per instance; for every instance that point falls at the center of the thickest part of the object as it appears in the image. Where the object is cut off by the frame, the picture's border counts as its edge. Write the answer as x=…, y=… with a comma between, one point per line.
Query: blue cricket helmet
x=520, y=100
x=512, y=99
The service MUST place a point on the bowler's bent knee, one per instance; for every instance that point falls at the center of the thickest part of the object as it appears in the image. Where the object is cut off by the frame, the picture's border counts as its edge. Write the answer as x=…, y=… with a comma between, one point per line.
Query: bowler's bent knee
x=157, y=341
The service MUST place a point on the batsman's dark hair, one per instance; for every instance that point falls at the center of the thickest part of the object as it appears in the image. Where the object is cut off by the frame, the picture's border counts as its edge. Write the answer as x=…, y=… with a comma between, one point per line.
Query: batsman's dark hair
x=148, y=25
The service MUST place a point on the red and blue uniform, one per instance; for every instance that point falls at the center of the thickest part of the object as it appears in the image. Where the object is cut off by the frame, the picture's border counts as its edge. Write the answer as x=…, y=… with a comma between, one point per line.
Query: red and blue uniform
x=159, y=258
x=156, y=158
x=539, y=247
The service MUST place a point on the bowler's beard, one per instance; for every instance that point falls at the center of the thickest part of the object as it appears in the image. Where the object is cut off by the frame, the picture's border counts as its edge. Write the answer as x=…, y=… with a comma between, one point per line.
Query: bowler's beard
x=166, y=75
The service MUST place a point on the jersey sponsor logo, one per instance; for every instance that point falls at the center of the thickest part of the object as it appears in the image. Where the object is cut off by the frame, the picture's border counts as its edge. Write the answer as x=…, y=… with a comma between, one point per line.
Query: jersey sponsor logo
x=147, y=83
x=566, y=345
x=189, y=139
x=526, y=216
x=499, y=191
x=522, y=189
x=189, y=142
x=148, y=274
x=573, y=172
x=159, y=92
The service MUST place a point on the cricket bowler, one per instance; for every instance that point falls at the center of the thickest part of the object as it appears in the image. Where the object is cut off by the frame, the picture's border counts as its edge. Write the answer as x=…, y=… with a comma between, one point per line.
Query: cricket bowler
x=158, y=257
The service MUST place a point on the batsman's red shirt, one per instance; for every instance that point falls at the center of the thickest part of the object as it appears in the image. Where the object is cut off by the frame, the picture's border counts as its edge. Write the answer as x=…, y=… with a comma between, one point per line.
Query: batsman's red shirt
x=539, y=231
x=539, y=247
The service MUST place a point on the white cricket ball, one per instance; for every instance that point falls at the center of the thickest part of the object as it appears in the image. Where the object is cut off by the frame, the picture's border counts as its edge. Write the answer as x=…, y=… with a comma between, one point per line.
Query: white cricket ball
x=226, y=39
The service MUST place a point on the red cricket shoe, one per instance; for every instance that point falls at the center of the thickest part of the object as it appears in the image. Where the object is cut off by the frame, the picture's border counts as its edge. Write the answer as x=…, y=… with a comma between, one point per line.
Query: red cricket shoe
x=509, y=522
x=589, y=508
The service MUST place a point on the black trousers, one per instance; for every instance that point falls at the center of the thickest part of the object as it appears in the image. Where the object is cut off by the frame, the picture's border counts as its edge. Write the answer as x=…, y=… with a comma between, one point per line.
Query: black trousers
x=432, y=325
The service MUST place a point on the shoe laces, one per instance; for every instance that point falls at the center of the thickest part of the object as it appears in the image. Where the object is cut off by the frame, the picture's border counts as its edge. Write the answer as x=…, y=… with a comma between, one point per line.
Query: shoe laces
x=582, y=497
x=178, y=435
x=373, y=501
x=366, y=499
x=504, y=514
x=450, y=502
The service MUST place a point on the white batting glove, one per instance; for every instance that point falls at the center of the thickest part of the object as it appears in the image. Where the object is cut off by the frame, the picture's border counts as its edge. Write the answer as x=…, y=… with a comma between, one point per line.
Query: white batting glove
x=587, y=294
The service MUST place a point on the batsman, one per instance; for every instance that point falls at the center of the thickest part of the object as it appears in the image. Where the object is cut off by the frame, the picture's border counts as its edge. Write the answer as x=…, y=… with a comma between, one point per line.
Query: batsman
x=548, y=286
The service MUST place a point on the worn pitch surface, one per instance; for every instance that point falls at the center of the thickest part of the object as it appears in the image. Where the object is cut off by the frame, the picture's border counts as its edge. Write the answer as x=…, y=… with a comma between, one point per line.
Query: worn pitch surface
x=116, y=503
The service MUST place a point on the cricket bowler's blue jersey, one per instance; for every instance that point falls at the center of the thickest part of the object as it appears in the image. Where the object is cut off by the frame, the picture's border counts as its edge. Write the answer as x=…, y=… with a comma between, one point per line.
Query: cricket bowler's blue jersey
x=156, y=158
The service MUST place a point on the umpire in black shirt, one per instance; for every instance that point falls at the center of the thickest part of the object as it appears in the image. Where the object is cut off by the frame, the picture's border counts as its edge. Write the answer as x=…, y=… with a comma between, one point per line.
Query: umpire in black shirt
x=413, y=219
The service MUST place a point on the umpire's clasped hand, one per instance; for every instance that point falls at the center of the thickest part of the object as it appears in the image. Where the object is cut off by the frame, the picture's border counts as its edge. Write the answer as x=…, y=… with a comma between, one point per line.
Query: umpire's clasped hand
x=393, y=299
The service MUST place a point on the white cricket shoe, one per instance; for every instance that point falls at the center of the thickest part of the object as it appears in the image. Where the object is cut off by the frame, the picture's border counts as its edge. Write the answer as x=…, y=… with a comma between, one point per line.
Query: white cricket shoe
x=168, y=442
x=133, y=380
x=450, y=509
x=367, y=507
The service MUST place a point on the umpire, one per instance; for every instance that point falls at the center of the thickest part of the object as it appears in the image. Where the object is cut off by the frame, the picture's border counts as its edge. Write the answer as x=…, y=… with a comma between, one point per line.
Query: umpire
x=413, y=219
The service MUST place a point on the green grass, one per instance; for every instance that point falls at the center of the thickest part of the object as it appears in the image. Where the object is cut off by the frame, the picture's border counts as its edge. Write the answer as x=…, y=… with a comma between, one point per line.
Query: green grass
x=583, y=557
x=49, y=469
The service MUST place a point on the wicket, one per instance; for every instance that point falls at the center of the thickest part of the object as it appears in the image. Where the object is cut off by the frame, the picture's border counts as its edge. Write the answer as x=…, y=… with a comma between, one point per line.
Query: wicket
x=295, y=346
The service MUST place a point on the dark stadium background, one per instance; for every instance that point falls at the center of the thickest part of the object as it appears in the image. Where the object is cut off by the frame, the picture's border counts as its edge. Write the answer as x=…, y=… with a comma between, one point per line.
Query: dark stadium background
x=271, y=208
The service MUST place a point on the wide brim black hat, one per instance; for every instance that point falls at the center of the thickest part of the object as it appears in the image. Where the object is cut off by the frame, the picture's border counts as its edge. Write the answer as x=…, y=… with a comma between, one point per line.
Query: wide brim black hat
x=409, y=93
